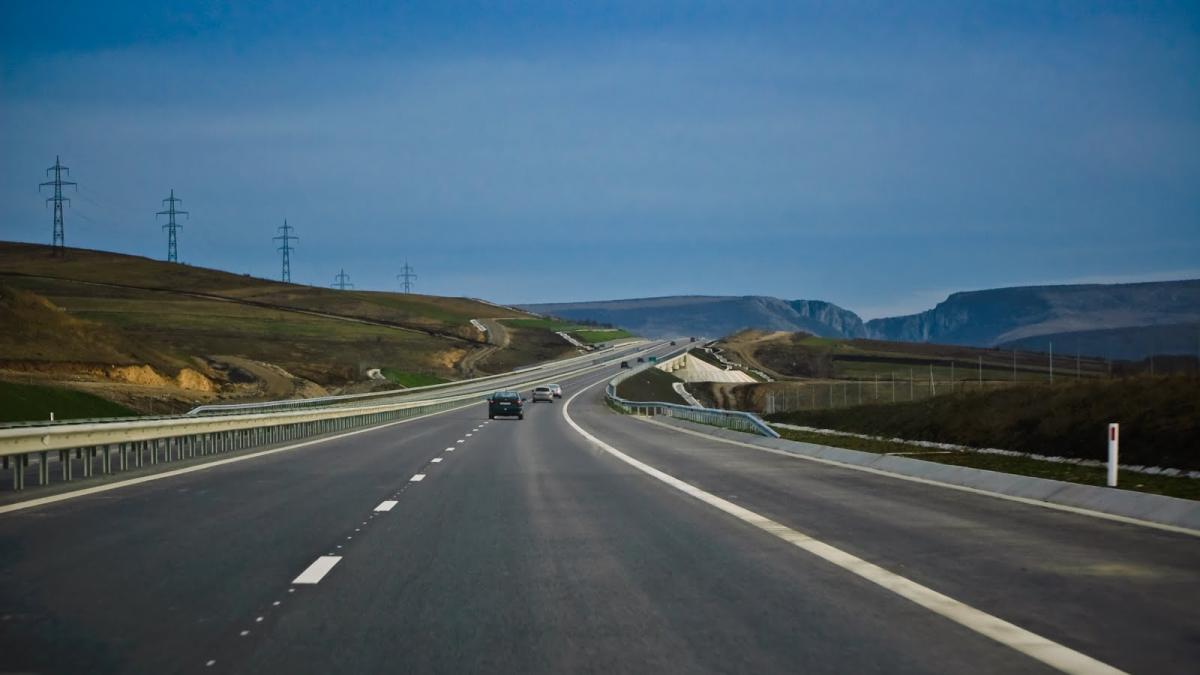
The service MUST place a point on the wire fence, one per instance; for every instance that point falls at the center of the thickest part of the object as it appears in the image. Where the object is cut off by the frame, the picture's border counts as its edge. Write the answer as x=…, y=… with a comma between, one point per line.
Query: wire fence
x=787, y=397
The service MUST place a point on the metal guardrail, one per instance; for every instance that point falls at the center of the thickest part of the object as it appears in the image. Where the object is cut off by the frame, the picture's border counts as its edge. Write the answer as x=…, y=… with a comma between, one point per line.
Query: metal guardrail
x=321, y=401
x=729, y=419
x=123, y=443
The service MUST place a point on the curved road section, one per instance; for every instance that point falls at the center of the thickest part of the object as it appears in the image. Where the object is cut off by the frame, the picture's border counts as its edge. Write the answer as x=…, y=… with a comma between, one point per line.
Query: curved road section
x=450, y=543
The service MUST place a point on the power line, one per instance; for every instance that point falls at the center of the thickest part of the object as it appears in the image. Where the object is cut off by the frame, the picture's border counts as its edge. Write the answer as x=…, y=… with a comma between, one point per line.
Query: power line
x=59, y=240
x=341, y=281
x=407, y=276
x=172, y=226
x=287, y=237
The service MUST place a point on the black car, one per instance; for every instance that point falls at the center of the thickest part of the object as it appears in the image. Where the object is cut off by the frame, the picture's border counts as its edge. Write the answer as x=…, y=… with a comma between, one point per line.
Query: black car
x=641, y=359
x=624, y=364
x=506, y=404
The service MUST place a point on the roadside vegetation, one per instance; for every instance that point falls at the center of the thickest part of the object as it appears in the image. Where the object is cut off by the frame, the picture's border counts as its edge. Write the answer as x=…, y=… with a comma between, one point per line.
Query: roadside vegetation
x=594, y=336
x=1171, y=486
x=650, y=384
x=30, y=402
x=158, y=336
x=406, y=379
x=1159, y=417
x=586, y=333
x=800, y=355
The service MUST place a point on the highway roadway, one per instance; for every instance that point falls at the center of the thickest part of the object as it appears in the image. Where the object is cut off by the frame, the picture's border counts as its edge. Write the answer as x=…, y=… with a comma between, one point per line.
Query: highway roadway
x=526, y=546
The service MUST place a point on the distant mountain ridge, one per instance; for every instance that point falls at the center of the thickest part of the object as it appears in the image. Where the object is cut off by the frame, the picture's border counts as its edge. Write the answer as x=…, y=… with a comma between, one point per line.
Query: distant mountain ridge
x=1082, y=316
x=712, y=315
x=1004, y=315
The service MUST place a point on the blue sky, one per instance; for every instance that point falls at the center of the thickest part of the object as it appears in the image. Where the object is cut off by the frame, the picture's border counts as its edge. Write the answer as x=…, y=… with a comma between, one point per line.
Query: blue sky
x=876, y=155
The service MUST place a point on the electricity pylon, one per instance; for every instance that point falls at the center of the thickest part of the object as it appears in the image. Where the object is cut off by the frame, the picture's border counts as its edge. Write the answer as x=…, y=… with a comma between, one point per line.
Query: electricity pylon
x=342, y=281
x=59, y=240
x=407, y=276
x=172, y=226
x=287, y=237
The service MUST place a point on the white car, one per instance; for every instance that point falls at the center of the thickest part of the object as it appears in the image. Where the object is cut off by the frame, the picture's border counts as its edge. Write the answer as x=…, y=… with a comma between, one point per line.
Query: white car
x=543, y=393
x=556, y=390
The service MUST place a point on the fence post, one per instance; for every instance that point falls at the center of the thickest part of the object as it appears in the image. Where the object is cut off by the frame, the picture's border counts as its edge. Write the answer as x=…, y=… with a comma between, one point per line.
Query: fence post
x=1114, y=437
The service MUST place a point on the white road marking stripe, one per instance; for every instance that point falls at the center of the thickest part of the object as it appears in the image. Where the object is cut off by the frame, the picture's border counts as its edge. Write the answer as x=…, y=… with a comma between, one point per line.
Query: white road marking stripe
x=41, y=501
x=927, y=481
x=435, y=460
x=317, y=570
x=450, y=449
x=1031, y=644
x=386, y=505
x=417, y=478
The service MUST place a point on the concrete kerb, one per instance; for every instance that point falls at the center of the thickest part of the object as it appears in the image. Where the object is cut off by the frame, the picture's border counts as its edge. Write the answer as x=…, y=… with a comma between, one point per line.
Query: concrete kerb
x=1169, y=513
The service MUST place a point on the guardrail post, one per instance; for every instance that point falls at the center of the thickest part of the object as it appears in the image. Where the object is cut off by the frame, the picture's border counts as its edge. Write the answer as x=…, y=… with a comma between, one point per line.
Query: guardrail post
x=43, y=468
x=106, y=459
x=18, y=476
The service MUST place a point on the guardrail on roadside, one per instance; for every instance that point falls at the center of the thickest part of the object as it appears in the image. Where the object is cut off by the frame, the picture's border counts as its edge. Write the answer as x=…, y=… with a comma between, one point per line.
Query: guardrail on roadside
x=322, y=401
x=730, y=419
x=121, y=444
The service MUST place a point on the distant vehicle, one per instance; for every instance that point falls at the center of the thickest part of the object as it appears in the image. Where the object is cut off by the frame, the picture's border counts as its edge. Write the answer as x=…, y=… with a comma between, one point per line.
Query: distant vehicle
x=543, y=393
x=556, y=390
x=506, y=404
x=691, y=339
x=672, y=343
x=624, y=364
x=641, y=359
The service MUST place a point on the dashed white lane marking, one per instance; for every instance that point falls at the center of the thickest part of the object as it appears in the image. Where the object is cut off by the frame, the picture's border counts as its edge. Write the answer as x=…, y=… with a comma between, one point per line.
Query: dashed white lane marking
x=468, y=435
x=1031, y=644
x=460, y=441
x=317, y=570
x=210, y=663
x=435, y=460
x=258, y=619
x=386, y=505
x=275, y=604
x=417, y=478
x=41, y=501
x=244, y=633
x=450, y=449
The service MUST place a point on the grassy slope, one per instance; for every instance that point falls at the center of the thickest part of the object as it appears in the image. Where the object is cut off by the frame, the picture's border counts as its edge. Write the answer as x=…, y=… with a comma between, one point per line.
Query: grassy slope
x=410, y=379
x=592, y=337
x=19, y=402
x=1159, y=417
x=651, y=384
x=167, y=329
x=802, y=355
x=586, y=334
x=1185, y=488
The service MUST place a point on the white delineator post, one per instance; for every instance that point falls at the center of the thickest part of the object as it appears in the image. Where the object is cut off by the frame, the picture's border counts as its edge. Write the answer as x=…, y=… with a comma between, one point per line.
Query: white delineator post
x=1114, y=436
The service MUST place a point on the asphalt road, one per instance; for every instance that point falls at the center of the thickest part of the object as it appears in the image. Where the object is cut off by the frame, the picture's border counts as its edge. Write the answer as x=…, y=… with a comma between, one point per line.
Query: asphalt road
x=527, y=548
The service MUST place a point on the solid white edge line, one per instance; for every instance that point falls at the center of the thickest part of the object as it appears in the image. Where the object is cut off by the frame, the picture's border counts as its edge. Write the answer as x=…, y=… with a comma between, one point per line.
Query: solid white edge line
x=417, y=478
x=1078, y=510
x=1010, y=635
x=386, y=505
x=317, y=570
x=50, y=499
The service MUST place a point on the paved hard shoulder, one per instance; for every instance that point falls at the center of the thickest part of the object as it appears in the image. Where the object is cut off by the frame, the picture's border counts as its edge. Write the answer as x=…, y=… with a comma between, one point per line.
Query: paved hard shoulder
x=1148, y=509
